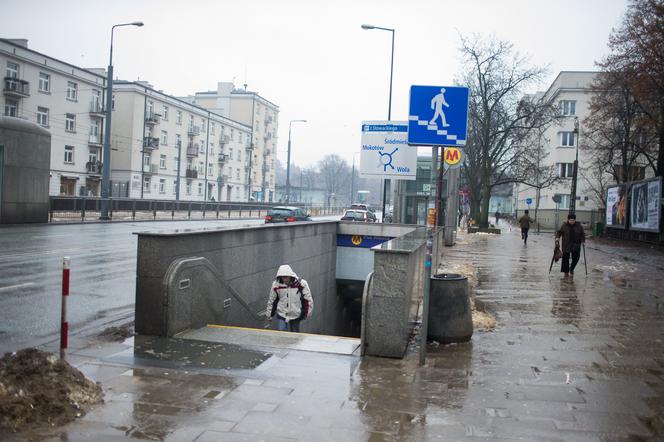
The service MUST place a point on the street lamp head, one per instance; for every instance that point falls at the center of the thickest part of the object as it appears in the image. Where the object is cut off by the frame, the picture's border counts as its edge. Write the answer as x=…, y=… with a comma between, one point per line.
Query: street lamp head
x=368, y=27
x=137, y=23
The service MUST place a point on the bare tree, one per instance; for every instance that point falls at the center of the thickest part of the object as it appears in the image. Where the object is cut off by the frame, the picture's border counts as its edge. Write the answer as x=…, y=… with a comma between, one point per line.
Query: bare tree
x=531, y=167
x=637, y=52
x=335, y=174
x=617, y=133
x=500, y=121
x=596, y=177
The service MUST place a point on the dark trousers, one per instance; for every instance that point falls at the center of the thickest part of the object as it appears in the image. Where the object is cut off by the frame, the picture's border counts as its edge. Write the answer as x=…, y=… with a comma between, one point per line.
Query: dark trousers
x=565, y=267
x=524, y=233
x=292, y=326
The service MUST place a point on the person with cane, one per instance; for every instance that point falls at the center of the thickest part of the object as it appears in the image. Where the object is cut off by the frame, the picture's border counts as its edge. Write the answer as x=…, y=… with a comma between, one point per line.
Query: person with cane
x=573, y=238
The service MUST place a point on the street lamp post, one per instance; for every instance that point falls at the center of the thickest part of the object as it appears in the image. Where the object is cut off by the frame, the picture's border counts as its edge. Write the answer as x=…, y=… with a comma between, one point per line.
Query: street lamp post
x=352, y=180
x=389, y=105
x=290, y=123
x=572, y=198
x=106, y=165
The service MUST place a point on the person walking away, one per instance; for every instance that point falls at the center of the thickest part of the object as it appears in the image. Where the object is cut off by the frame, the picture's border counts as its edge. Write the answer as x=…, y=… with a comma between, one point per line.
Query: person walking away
x=290, y=300
x=524, y=222
x=573, y=237
x=497, y=217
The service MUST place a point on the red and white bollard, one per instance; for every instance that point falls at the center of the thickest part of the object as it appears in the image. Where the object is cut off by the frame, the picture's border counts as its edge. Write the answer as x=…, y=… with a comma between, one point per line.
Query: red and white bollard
x=64, y=325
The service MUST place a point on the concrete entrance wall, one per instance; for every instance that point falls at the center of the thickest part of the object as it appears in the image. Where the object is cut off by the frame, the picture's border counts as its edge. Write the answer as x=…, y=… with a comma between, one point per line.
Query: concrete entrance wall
x=25, y=163
x=395, y=293
x=246, y=258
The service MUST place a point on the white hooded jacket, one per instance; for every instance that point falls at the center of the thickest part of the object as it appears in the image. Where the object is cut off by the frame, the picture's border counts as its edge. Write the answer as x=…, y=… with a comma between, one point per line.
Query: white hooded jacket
x=292, y=301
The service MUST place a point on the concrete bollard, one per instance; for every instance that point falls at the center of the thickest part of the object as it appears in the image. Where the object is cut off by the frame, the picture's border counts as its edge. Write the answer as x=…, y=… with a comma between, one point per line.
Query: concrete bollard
x=450, y=315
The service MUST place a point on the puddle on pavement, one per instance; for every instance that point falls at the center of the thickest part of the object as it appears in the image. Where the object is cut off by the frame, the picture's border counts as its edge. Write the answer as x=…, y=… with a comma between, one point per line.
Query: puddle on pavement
x=187, y=354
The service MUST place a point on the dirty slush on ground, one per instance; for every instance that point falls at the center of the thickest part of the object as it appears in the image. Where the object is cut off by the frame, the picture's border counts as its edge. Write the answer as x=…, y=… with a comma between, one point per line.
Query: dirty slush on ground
x=37, y=388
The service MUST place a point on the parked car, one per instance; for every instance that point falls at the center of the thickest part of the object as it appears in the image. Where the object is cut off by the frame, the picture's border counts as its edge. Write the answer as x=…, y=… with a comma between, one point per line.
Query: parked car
x=360, y=206
x=359, y=215
x=285, y=214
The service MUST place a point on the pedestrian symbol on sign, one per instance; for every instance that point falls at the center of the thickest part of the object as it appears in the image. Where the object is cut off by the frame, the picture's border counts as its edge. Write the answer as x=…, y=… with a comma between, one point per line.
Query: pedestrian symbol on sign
x=437, y=104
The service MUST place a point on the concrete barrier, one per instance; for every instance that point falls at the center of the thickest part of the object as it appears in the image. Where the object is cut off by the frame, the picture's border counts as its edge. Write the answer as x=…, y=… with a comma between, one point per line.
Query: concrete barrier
x=244, y=258
x=394, y=295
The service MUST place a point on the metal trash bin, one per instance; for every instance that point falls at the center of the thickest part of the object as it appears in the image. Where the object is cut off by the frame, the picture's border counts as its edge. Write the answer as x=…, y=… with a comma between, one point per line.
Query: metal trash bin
x=450, y=315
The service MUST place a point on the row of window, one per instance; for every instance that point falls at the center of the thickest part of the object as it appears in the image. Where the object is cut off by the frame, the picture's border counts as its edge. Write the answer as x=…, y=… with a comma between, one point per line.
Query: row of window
x=93, y=155
x=12, y=71
x=147, y=187
x=150, y=111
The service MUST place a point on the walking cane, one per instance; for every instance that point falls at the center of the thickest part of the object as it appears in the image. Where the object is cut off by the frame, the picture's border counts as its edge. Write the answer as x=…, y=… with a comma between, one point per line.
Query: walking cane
x=585, y=263
x=551, y=266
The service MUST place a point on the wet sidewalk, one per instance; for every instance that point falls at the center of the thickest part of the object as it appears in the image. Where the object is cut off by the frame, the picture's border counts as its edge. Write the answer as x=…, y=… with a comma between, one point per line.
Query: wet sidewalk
x=569, y=359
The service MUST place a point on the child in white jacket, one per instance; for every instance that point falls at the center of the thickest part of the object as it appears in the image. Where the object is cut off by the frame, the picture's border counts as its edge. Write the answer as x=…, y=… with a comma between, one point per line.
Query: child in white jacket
x=290, y=299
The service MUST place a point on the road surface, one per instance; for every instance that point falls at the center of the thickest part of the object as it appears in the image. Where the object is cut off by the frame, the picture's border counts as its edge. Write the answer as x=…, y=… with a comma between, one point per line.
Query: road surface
x=103, y=274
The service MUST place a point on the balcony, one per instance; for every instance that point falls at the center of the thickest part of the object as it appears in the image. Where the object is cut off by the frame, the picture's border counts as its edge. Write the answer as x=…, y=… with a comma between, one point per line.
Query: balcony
x=150, y=143
x=193, y=131
x=222, y=158
x=191, y=173
x=150, y=168
x=151, y=118
x=95, y=140
x=16, y=88
x=267, y=152
x=249, y=147
x=192, y=149
x=94, y=167
x=96, y=109
x=224, y=139
x=221, y=180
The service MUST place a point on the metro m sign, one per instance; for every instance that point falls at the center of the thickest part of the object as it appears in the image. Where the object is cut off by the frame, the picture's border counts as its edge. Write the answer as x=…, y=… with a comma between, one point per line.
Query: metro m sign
x=453, y=157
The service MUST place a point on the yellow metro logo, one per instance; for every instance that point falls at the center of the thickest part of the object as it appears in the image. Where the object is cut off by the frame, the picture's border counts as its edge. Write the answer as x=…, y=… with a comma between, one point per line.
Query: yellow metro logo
x=452, y=156
x=356, y=239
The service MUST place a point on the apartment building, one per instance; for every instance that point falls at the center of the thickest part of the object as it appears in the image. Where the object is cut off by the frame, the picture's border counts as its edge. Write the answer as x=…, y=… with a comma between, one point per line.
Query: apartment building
x=262, y=116
x=163, y=147
x=68, y=102
x=571, y=92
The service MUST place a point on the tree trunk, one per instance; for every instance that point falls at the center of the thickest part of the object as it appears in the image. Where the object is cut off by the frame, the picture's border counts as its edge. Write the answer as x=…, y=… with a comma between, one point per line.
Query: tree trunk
x=484, y=212
x=660, y=154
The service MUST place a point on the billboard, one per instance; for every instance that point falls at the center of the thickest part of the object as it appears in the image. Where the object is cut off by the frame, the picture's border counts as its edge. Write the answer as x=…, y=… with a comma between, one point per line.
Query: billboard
x=616, y=206
x=646, y=205
x=385, y=151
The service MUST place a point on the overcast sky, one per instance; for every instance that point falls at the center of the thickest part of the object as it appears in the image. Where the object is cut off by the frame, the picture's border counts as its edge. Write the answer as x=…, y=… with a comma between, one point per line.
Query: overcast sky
x=309, y=57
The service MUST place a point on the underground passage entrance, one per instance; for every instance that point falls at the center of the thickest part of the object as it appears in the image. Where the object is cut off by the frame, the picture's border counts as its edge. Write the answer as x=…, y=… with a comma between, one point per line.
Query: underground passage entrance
x=213, y=285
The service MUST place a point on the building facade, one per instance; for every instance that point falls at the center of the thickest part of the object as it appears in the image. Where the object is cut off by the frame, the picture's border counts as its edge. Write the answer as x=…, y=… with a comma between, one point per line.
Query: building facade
x=571, y=93
x=65, y=100
x=262, y=116
x=167, y=148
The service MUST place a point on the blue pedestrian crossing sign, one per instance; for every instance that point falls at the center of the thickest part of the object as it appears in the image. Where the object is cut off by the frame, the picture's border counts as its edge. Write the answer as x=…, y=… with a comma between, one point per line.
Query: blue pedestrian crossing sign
x=438, y=115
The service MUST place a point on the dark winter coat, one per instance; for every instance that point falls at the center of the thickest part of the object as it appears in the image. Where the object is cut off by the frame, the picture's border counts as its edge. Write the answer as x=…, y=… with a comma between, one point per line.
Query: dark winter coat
x=572, y=236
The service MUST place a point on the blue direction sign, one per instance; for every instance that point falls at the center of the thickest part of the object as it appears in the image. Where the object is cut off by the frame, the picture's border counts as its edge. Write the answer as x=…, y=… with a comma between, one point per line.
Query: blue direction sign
x=438, y=115
x=529, y=201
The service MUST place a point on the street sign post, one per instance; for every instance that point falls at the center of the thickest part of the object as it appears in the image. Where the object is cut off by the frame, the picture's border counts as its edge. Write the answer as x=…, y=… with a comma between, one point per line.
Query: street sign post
x=438, y=115
x=385, y=152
